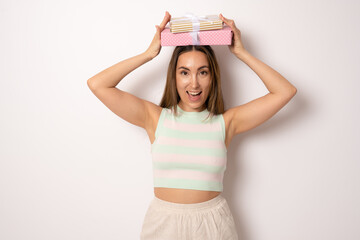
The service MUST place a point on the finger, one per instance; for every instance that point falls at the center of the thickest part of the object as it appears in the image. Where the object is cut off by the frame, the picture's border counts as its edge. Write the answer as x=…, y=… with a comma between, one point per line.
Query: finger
x=157, y=28
x=228, y=22
x=158, y=32
x=232, y=25
x=165, y=20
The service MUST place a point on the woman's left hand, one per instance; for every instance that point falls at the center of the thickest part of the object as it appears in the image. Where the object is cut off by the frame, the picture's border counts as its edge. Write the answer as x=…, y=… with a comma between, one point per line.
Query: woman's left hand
x=236, y=47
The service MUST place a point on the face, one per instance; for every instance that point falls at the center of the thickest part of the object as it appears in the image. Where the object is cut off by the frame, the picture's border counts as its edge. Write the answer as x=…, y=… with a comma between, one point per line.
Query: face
x=193, y=77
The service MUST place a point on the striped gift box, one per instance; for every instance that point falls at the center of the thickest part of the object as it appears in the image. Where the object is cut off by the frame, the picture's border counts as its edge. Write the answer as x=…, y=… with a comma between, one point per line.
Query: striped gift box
x=192, y=23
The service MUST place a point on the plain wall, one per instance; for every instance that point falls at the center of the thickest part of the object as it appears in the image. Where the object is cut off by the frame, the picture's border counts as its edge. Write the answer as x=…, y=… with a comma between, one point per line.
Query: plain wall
x=71, y=169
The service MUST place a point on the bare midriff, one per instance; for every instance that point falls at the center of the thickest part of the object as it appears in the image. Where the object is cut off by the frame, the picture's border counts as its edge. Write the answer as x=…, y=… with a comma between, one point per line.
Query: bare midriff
x=187, y=196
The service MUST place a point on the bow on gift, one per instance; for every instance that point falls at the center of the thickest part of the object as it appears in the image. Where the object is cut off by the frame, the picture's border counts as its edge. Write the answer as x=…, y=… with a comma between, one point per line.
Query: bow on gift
x=195, y=20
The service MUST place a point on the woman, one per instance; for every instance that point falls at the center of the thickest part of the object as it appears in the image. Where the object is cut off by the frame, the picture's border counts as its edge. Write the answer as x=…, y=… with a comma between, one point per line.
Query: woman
x=190, y=133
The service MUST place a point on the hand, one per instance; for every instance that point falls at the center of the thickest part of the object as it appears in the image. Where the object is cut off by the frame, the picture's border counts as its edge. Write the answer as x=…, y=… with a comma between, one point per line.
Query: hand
x=155, y=46
x=236, y=47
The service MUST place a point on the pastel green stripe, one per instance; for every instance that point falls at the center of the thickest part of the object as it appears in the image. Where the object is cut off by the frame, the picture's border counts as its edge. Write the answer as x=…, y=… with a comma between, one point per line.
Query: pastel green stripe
x=190, y=135
x=160, y=122
x=214, y=152
x=192, y=166
x=188, y=184
x=222, y=121
x=194, y=120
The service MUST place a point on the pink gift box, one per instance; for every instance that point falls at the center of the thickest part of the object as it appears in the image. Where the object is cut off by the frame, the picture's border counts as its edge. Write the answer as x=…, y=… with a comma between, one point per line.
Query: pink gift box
x=211, y=37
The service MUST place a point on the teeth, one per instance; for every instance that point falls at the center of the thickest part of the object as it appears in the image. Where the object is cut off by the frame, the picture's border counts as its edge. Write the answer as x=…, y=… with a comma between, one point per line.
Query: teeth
x=193, y=93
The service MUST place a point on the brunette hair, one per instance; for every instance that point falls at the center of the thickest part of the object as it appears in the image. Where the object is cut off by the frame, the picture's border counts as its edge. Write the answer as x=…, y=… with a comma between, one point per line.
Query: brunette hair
x=215, y=102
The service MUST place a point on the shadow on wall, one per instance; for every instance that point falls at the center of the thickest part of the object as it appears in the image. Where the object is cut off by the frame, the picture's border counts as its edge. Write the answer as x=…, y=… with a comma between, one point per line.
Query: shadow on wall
x=233, y=178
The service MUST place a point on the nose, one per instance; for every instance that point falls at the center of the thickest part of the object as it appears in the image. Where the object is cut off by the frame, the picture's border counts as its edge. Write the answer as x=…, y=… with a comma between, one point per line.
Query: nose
x=194, y=81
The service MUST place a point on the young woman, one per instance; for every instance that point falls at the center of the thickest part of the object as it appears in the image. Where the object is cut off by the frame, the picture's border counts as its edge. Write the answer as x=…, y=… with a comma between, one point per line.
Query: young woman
x=189, y=133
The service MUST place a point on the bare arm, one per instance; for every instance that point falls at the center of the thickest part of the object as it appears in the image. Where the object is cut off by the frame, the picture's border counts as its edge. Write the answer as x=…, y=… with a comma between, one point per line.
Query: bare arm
x=111, y=76
x=274, y=82
x=126, y=105
x=252, y=114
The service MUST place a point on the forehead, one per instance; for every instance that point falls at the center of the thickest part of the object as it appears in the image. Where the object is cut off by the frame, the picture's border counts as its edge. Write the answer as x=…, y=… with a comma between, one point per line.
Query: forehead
x=192, y=59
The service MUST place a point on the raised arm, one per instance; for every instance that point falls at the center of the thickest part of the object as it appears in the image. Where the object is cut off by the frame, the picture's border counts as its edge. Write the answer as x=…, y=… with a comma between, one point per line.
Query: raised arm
x=124, y=104
x=253, y=113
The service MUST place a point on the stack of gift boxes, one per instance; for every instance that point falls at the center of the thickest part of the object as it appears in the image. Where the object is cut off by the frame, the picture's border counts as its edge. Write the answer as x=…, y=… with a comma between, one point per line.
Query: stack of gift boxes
x=193, y=30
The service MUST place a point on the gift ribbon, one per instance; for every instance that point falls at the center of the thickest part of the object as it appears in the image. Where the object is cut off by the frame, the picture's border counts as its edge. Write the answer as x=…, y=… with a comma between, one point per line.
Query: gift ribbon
x=195, y=38
x=195, y=20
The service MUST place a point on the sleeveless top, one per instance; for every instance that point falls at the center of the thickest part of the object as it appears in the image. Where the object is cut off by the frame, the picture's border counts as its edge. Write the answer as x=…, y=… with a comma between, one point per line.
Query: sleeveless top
x=189, y=152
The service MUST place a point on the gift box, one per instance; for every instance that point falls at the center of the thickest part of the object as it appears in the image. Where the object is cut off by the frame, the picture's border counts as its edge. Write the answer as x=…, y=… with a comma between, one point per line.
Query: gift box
x=192, y=23
x=210, y=37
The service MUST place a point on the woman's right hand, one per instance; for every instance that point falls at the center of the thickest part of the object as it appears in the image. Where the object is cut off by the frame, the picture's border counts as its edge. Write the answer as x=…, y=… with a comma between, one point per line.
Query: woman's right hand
x=155, y=46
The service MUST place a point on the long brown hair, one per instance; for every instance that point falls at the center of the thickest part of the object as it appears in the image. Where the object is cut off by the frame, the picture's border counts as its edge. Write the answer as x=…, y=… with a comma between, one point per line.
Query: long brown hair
x=215, y=102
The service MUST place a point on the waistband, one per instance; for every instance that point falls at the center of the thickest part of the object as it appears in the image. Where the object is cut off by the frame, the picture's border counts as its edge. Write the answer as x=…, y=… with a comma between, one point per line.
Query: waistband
x=202, y=206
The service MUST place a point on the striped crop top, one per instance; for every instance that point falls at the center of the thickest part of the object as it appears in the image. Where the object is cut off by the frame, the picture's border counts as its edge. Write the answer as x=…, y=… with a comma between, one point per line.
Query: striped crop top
x=189, y=152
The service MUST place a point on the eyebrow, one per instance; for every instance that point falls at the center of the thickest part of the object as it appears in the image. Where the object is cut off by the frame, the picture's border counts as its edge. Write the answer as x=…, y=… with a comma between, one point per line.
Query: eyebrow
x=189, y=69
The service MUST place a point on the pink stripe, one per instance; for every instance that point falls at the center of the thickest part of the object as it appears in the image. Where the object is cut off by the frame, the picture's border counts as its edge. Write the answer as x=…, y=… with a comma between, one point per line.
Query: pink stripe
x=208, y=160
x=187, y=174
x=190, y=143
x=189, y=127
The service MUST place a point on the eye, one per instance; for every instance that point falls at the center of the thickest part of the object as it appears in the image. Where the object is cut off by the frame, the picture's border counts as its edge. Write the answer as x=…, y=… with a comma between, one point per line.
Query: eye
x=203, y=73
x=183, y=73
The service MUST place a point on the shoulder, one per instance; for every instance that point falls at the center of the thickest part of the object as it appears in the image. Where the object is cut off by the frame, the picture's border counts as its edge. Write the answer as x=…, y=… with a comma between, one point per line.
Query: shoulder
x=228, y=115
x=229, y=127
x=153, y=112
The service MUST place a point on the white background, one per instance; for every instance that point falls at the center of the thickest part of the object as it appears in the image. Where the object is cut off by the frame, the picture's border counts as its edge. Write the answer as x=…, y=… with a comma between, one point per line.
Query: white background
x=72, y=169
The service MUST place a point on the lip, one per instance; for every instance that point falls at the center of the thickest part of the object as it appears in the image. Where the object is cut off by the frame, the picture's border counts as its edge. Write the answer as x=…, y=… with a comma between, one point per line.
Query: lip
x=193, y=92
x=194, y=98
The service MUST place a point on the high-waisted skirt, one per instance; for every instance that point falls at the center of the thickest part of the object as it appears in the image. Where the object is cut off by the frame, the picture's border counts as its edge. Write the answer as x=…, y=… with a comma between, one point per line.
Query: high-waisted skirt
x=209, y=220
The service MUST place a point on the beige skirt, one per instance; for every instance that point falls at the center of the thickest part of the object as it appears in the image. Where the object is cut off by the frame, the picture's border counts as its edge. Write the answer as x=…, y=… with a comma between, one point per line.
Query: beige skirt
x=210, y=220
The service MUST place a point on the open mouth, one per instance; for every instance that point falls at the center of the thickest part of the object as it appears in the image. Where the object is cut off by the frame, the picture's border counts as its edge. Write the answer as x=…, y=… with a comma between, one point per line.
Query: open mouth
x=194, y=96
